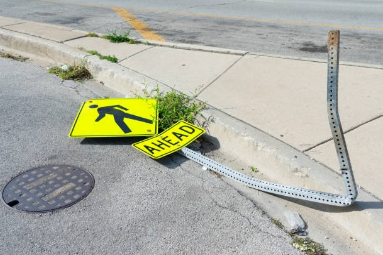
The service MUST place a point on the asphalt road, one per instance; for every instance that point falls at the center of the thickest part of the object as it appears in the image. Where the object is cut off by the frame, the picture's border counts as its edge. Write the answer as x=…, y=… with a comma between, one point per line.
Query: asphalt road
x=138, y=205
x=288, y=28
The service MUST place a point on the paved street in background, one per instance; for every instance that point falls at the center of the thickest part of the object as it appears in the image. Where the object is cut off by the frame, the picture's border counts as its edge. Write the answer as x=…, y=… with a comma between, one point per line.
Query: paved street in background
x=138, y=205
x=290, y=28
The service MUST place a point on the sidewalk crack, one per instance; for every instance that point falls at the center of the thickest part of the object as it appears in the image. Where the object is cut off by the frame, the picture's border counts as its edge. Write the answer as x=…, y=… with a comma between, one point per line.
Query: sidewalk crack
x=229, y=208
x=236, y=212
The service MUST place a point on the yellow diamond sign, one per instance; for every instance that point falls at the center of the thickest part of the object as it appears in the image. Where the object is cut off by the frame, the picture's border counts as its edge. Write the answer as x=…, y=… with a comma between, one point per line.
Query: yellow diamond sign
x=116, y=117
x=171, y=140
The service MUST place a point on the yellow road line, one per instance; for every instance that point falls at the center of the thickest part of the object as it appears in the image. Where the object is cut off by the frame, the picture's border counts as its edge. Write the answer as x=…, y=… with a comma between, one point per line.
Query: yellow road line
x=227, y=17
x=138, y=25
x=258, y=20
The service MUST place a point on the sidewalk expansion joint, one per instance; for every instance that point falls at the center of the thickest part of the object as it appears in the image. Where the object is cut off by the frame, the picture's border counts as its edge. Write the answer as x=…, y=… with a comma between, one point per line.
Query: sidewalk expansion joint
x=146, y=76
x=250, y=125
x=364, y=123
x=135, y=54
x=371, y=194
x=340, y=175
x=345, y=132
x=22, y=22
x=75, y=38
x=12, y=31
x=219, y=76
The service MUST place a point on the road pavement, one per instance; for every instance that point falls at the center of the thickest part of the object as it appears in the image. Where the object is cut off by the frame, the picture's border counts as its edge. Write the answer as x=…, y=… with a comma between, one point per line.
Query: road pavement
x=138, y=205
x=288, y=28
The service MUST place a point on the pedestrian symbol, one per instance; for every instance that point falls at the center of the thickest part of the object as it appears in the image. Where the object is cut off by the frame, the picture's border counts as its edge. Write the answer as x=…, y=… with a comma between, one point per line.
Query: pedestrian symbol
x=119, y=116
x=116, y=117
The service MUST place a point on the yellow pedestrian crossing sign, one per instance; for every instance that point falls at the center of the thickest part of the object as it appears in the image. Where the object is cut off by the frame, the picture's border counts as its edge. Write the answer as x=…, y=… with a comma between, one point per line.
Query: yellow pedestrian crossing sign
x=171, y=140
x=116, y=117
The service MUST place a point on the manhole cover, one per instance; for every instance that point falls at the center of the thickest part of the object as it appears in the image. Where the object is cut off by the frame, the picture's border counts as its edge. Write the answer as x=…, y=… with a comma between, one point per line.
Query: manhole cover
x=48, y=188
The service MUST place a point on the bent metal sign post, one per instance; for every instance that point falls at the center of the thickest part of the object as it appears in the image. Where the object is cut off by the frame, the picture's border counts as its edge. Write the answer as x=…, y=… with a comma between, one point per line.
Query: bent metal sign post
x=171, y=140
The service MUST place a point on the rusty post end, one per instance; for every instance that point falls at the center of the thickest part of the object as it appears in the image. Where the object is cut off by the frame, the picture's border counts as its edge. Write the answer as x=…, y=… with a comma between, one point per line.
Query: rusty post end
x=333, y=40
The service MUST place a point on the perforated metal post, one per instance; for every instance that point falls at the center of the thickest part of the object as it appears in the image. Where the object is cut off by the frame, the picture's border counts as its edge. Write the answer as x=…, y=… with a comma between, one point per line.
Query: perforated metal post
x=340, y=144
x=333, y=114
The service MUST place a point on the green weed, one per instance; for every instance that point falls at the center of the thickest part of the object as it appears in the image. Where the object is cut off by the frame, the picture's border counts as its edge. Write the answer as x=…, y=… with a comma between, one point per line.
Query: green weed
x=112, y=59
x=174, y=106
x=254, y=169
x=116, y=38
x=74, y=72
x=91, y=34
x=278, y=223
x=17, y=58
x=308, y=246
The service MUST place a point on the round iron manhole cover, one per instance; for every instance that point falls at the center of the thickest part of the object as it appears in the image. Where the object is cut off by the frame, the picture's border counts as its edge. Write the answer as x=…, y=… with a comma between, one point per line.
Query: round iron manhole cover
x=48, y=188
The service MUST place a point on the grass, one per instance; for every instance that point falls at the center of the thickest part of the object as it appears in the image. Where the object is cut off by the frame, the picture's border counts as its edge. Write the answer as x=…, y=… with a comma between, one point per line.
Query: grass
x=91, y=34
x=10, y=56
x=74, y=72
x=112, y=59
x=116, y=38
x=305, y=245
x=308, y=246
x=278, y=223
x=174, y=106
x=254, y=169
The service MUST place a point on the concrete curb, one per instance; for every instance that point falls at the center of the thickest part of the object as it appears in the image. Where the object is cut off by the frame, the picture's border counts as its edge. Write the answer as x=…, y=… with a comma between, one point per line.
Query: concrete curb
x=185, y=46
x=234, y=137
x=285, y=165
x=50, y=50
x=112, y=75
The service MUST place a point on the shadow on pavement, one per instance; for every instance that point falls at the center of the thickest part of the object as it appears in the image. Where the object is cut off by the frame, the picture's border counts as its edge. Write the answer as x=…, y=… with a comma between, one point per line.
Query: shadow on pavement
x=111, y=140
x=172, y=161
x=357, y=206
x=364, y=205
x=205, y=145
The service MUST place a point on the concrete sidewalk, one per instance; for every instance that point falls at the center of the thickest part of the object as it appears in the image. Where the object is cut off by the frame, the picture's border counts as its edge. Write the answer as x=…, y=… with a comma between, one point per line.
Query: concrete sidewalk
x=268, y=111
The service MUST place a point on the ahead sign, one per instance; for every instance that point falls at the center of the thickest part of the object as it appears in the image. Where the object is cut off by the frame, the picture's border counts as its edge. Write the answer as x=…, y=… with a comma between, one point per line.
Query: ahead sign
x=116, y=117
x=171, y=140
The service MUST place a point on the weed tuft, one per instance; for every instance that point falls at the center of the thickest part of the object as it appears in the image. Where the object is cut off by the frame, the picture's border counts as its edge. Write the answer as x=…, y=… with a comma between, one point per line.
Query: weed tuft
x=112, y=59
x=116, y=38
x=92, y=34
x=10, y=56
x=308, y=246
x=254, y=169
x=278, y=223
x=174, y=106
x=75, y=72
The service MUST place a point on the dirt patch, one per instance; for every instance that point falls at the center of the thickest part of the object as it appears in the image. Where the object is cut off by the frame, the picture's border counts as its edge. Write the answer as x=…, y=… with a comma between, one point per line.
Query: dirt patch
x=312, y=47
